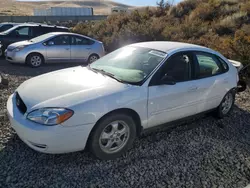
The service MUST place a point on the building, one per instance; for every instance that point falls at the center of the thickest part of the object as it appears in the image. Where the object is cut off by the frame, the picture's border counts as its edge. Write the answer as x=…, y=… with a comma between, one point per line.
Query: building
x=119, y=10
x=64, y=11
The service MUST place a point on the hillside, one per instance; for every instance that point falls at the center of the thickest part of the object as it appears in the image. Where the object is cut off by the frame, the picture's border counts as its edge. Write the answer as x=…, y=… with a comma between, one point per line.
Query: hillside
x=11, y=7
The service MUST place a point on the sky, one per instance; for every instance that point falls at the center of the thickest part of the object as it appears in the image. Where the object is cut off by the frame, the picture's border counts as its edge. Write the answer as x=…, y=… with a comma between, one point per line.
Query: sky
x=142, y=2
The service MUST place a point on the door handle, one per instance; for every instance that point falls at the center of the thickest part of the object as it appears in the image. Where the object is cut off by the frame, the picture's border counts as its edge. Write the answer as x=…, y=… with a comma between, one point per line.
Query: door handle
x=66, y=48
x=88, y=48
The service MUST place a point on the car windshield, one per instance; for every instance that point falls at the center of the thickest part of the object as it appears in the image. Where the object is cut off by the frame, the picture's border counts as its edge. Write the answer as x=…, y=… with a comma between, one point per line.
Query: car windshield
x=41, y=38
x=11, y=29
x=129, y=64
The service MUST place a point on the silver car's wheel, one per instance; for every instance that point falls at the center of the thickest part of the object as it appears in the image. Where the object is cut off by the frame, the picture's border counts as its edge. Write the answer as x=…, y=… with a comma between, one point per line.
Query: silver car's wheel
x=35, y=60
x=93, y=58
x=114, y=137
x=227, y=103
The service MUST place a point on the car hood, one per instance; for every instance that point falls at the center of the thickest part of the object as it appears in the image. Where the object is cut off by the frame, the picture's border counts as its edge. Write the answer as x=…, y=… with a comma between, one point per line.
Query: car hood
x=66, y=88
x=17, y=44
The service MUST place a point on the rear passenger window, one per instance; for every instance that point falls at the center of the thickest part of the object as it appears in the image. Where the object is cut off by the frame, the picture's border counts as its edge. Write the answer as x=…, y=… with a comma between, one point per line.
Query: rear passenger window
x=81, y=41
x=208, y=65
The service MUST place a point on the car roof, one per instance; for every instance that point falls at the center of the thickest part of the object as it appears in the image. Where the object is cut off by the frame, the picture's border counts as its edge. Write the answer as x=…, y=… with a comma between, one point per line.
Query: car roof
x=166, y=46
x=75, y=34
x=13, y=23
x=42, y=25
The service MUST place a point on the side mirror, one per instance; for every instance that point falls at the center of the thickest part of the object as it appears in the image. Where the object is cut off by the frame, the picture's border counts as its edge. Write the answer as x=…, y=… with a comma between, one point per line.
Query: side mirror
x=167, y=80
x=3, y=82
x=51, y=43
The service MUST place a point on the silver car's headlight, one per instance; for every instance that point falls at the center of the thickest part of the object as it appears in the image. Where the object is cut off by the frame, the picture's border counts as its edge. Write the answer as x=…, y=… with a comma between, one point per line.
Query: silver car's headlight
x=19, y=48
x=50, y=116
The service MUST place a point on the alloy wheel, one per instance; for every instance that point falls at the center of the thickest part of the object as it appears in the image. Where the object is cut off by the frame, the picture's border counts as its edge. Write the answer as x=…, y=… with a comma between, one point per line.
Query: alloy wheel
x=36, y=61
x=93, y=59
x=227, y=103
x=114, y=137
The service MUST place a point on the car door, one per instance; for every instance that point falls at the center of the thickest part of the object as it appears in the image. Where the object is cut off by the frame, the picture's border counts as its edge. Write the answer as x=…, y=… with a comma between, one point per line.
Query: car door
x=212, y=74
x=177, y=98
x=58, y=49
x=80, y=48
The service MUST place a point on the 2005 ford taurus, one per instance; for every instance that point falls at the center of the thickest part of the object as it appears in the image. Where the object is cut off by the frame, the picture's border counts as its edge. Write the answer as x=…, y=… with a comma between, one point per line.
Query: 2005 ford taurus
x=106, y=105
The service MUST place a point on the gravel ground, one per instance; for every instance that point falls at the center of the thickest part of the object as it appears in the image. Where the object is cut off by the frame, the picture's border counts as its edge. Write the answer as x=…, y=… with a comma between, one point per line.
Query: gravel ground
x=202, y=153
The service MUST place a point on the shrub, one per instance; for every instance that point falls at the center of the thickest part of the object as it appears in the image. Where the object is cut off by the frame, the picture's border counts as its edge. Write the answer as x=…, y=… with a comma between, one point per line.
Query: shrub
x=183, y=8
x=246, y=7
x=229, y=24
x=239, y=46
x=204, y=12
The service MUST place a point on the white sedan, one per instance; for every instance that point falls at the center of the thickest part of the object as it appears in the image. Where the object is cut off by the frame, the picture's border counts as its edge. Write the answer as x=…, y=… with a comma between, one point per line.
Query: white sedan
x=106, y=105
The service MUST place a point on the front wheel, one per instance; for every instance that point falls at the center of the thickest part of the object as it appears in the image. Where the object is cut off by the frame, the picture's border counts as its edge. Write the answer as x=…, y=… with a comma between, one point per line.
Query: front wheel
x=93, y=58
x=113, y=136
x=226, y=105
x=35, y=60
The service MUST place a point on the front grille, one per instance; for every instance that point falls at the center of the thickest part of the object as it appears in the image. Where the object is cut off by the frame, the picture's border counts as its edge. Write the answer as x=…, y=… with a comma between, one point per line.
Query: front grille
x=20, y=104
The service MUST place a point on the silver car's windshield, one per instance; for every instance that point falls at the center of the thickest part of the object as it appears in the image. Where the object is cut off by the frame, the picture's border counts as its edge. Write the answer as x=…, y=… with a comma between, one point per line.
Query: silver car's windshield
x=41, y=38
x=129, y=64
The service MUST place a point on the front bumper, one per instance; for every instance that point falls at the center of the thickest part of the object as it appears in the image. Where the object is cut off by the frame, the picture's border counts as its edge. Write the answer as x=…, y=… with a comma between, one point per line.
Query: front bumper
x=15, y=57
x=47, y=139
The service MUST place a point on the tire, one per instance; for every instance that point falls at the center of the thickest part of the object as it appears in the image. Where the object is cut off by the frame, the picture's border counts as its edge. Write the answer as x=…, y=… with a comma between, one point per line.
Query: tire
x=112, y=136
x=93, y=58
x=226, y=105
x=35, y=60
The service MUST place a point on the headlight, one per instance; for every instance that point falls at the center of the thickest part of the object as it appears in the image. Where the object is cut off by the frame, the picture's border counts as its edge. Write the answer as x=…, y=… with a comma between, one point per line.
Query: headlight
x=19, y=48
x=50, y=116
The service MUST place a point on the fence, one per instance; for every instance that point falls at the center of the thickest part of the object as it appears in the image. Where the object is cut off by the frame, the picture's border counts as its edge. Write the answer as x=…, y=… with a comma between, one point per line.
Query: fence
x=52, y=19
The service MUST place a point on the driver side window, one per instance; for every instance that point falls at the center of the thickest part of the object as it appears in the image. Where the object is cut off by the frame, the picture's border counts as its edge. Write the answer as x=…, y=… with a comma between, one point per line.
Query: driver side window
x=178, y=67
x=22, y=31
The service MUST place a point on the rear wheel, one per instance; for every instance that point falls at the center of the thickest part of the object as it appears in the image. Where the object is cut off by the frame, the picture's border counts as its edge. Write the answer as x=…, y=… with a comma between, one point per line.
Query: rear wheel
x=93, y=58
x=35, y=60
x=113, y=136
x=226, y=105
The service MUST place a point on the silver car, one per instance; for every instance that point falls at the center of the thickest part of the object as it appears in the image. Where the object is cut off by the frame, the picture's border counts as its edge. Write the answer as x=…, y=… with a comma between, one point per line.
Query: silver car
x=55, y=47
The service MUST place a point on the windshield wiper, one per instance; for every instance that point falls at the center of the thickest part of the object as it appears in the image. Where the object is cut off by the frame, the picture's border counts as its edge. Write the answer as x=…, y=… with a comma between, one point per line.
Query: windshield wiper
x=107, y=74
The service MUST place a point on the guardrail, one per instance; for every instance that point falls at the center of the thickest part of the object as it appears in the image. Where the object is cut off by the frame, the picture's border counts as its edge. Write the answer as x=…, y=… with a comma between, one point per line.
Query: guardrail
x=52, y=19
